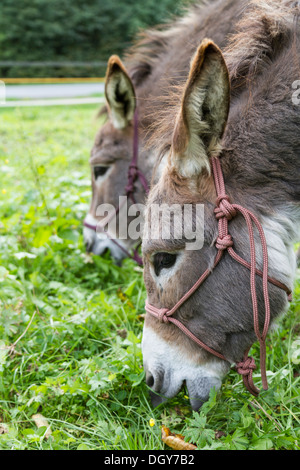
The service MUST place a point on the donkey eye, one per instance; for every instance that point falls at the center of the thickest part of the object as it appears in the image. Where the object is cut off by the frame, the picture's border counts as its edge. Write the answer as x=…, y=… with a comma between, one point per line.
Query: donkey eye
x=163, y=260
x=100, y=171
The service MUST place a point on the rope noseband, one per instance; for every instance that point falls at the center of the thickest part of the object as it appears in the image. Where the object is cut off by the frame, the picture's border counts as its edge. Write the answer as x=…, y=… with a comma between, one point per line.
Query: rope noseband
x=224, y=212
x=134, y=173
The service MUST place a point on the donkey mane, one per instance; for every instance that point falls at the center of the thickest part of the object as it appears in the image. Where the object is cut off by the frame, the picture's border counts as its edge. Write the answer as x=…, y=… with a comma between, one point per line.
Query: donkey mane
x=263, y=32
x=154, y=63
x=146, y=51
x=267, y=27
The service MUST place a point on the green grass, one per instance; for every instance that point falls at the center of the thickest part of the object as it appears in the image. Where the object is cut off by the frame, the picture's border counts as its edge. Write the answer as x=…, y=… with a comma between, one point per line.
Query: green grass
x=70, y=325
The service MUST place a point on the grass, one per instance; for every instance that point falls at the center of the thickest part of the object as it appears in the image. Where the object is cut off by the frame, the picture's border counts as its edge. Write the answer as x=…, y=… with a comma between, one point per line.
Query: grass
x=70, y=324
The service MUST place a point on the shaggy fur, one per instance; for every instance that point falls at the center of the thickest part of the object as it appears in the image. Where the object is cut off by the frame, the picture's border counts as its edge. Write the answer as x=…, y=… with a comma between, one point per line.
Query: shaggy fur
x=261, y=165
x=158, y=61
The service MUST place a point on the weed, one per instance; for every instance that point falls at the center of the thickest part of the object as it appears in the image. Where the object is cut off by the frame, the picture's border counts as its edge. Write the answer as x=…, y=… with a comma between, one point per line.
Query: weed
x=70, y=324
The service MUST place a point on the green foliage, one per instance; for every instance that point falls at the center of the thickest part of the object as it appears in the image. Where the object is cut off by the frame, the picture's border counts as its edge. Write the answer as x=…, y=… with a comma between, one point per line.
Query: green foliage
x=70, y=330
x=60, y=30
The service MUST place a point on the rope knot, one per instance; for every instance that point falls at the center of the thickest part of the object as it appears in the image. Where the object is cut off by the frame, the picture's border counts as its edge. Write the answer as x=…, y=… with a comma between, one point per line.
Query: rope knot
x=132, y=175
x=224, y=243
x=224, y=208
x=132, y=172
x=161, y=315
x=246, y=366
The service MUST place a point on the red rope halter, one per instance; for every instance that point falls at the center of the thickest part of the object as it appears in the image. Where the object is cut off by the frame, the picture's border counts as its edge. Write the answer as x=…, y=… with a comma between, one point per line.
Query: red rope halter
x=224, y=212
x=134, y=173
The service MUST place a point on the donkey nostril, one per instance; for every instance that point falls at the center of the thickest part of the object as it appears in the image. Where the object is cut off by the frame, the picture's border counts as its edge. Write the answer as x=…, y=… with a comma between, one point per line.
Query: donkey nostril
x=155, y=383
x=149, y=379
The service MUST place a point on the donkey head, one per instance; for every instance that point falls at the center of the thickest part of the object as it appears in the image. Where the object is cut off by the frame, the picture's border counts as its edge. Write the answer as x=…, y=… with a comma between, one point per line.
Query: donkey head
x=220, y=311
x=111, y=156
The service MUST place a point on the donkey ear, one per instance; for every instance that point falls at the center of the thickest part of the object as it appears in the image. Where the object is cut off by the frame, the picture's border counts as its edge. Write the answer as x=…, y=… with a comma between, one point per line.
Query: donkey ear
x=119, y=93
x=204, y=111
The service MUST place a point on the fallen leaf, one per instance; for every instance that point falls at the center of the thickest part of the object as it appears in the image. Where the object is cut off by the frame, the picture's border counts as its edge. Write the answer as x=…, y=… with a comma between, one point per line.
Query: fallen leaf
x=41, y=421
x=175, y=441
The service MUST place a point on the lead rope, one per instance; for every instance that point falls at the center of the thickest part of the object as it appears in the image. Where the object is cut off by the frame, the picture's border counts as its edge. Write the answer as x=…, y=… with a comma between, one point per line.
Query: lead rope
x=224, y=212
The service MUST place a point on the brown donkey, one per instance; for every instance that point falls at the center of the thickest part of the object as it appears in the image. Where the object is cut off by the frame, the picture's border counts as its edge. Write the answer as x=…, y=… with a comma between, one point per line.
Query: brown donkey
x=157, y=62
x=206, y=307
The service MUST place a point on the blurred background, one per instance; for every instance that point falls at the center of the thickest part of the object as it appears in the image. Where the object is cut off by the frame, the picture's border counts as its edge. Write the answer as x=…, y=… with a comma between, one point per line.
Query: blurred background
x=63, y=38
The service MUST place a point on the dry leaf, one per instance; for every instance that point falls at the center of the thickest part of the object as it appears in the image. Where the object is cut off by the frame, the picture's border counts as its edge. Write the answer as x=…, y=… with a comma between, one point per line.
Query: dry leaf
x=175, y=441
x=41, y=421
